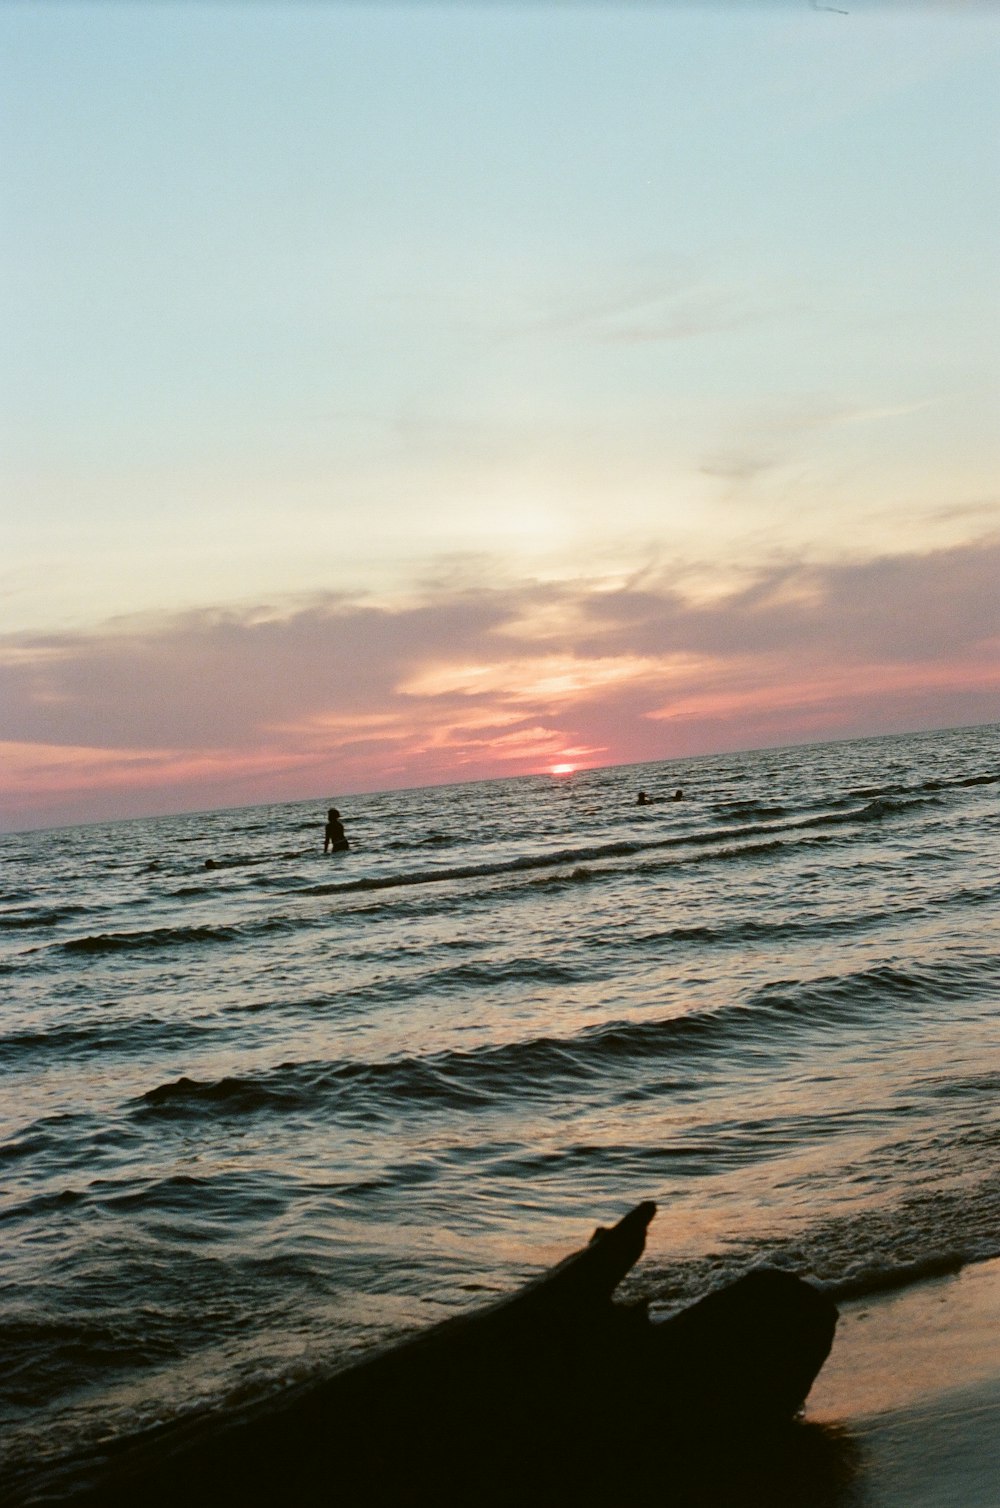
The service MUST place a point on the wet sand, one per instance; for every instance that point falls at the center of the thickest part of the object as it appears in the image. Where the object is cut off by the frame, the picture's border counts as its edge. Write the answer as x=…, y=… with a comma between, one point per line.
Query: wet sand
x=913, y=1384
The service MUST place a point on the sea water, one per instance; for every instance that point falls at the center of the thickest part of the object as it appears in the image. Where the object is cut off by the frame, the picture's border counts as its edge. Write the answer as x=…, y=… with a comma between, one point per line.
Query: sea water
x=261, y=1108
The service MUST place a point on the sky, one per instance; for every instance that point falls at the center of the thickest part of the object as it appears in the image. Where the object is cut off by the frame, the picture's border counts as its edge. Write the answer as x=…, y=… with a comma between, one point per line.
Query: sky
x=404, y=394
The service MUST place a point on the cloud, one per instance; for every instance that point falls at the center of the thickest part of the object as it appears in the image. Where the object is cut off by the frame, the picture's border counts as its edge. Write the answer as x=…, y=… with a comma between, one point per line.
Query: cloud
x=786, y=434
x=669, y=313
x=739, y=466
x=341, y=693
x=899, y=608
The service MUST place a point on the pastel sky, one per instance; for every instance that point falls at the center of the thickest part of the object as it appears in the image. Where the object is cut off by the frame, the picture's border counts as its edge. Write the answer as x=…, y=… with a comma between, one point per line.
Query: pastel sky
x=398, y=394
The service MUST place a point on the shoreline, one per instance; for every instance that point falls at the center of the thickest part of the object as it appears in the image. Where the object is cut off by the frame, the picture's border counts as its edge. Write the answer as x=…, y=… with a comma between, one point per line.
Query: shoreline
x=912, y=1387
x=905, y=1413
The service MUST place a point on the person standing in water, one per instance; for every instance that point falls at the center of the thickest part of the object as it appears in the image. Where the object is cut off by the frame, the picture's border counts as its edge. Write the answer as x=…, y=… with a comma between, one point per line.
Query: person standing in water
x=334, y=839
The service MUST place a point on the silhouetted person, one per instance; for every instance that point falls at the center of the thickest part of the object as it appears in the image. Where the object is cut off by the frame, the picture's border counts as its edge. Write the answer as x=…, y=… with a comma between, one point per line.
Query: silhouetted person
x=642, y=799
x=334, y=839
x=678, y=795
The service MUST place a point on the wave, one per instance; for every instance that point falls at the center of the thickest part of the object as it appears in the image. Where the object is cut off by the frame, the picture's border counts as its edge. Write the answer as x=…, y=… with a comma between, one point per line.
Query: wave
x=885, y=1278
x=429, y=840
x=914, y=788
x=961, y=782
x=709, y=849
x=42, y=1204
x=769, y=836
x=235, y=1094
x=753, y=850
x=433, y=974
x=832, y=998
x=50, y=916
x=405, y=878
x=172, y=937
x=456, y=1080
x=123, y=1037
x=872, y=811
x=546, y=1068
x=762, y=810
x=881, y=799
x=916, y=1239
x=579, y=876
x=29, y=1143
x=153, y=937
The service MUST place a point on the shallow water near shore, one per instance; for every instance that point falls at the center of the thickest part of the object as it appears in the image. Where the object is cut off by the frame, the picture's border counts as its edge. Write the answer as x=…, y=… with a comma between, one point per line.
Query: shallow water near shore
x=259, y=1116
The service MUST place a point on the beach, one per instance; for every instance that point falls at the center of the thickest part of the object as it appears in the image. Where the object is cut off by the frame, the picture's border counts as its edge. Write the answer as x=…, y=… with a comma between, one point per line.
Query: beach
x=265, y=1108
x=913, y=1382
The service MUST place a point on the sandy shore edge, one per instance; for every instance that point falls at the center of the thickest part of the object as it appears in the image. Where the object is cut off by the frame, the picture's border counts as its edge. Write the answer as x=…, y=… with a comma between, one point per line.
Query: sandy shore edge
x=913, y=1382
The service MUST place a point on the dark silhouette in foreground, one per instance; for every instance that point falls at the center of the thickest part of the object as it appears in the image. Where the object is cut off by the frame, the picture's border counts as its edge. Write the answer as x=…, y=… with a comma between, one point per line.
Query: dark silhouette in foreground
x=334, y=838
x=555, y=1395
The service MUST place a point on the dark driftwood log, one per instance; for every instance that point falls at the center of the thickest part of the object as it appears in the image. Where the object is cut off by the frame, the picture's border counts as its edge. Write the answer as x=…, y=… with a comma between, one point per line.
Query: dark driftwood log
x=555, y=1394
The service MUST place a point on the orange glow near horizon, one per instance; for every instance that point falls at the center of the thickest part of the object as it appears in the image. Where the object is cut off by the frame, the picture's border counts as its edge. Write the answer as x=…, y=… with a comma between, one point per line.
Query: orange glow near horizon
x=563, y=769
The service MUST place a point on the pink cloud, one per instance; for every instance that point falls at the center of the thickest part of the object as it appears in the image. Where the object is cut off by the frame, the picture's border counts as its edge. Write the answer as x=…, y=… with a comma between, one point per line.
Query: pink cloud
x=217, y=708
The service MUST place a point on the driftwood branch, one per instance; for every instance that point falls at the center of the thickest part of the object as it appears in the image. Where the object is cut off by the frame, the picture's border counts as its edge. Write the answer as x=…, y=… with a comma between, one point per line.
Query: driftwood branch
x=555, y=1394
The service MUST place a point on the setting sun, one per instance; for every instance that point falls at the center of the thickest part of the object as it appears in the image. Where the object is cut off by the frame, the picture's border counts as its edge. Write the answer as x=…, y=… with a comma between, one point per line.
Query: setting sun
x=563, y=769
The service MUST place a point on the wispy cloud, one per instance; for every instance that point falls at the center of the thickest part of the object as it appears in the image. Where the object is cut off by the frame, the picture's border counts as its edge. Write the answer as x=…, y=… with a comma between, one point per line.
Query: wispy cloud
x=665, y=301
x=771, y=438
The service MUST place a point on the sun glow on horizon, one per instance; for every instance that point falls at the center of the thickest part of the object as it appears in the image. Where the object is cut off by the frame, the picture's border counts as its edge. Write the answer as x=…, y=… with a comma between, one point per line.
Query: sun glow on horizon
x=563, y=769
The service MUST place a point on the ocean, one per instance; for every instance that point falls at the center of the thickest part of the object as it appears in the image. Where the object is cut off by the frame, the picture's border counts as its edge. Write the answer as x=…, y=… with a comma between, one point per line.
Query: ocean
x=262, y=1108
